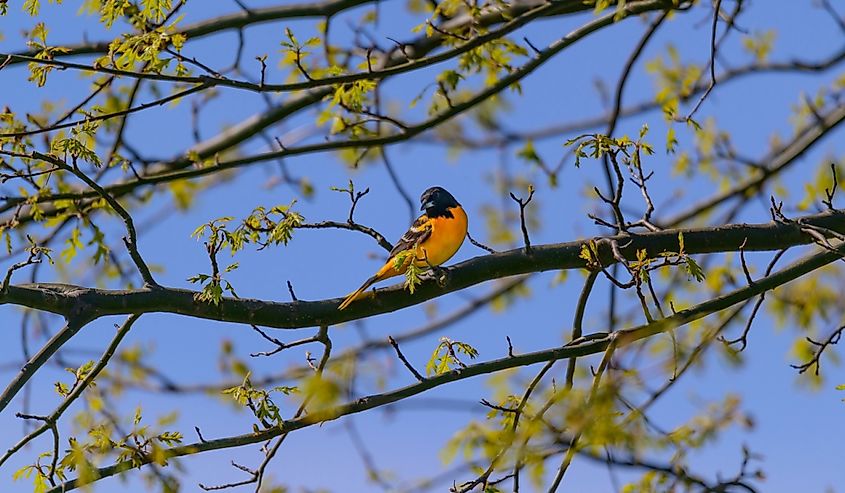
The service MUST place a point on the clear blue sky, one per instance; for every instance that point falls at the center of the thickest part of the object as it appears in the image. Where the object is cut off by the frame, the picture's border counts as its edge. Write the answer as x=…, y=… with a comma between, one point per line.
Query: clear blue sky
x=796, y=430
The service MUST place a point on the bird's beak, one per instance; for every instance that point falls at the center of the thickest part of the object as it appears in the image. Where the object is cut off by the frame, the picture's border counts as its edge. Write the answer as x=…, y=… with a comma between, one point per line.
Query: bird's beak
x=426, y=205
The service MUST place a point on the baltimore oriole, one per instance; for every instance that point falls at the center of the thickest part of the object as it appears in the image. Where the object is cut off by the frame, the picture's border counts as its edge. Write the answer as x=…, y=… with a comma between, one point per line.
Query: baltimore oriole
x=433, y=238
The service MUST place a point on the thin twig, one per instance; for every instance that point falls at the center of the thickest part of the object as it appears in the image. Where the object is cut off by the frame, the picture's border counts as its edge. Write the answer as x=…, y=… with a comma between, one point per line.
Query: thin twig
x=132, y=240
x=404, y=361
x=290, y=290
x=522, y=204
x=830, y=192
x=834, y=14
x=716, y=10
x=578, y=323
x=108, y=116
x=280, y=346
x=397, y=184
x=815, y=360
x=479, y=244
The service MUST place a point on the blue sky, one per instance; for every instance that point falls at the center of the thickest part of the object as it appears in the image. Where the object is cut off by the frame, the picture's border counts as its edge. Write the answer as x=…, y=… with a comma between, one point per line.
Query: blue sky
x=794, y=429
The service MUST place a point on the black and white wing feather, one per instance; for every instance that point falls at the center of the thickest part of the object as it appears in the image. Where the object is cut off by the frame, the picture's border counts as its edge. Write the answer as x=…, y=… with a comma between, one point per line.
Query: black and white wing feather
x=416, y=234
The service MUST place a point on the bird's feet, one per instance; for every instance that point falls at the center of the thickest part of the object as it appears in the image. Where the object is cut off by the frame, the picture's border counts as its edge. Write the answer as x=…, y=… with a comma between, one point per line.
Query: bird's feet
x=441, y=275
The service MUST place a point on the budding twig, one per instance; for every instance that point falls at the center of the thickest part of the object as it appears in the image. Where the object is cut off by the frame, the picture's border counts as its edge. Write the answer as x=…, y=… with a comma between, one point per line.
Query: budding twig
x=522, y=204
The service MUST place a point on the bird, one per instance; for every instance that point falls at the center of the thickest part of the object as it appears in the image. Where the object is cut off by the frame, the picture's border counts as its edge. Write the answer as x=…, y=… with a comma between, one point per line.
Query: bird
x=432, y=239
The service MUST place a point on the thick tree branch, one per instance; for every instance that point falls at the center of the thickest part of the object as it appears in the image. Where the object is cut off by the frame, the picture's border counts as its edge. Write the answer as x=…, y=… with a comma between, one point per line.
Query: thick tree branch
x=65, y=299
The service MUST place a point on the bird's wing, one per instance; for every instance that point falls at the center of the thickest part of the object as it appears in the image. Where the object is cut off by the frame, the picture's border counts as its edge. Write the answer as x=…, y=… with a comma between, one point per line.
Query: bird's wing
x=416, y=234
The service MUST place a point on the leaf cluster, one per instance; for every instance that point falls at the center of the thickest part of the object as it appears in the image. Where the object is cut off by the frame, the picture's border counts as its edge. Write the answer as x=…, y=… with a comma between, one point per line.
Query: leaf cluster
x=260, y=401
x=596, y=146
x=445, y=356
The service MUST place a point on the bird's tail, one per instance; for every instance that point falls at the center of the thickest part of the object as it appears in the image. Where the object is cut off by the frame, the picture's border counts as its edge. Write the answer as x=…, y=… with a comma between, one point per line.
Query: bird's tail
x=387, y=270
x=358, y=292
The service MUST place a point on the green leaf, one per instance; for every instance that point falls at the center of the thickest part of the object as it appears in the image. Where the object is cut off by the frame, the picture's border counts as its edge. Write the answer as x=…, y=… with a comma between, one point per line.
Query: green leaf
x=760, y=44
x=443, y=358
x=450, y=78
x=39, y=32
x=102, y=251
x=112, y=10
x=466, y=349
x=694, y=270
x=671, y=141
x=433, y=363
x=24, y=472
x=32, y=7
x=80, y=148
x=61, y=389
x=412, y=276
x=155, y=10
x=84, y=370
x=73, y=245
x=170, y=438
x=39, y=483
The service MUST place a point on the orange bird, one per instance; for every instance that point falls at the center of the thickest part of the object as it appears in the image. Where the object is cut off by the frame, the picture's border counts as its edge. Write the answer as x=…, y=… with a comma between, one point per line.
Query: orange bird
x=434, y=237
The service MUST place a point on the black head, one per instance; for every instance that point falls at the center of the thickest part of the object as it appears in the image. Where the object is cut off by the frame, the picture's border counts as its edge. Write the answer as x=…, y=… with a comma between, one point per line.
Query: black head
x=436, y=202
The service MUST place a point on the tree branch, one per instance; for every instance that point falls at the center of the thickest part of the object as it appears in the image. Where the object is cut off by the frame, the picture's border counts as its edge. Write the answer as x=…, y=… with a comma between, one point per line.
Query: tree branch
x=66, y=299
x=51, y=420
x=591, y=344
x=58, y=340
x=131, y=240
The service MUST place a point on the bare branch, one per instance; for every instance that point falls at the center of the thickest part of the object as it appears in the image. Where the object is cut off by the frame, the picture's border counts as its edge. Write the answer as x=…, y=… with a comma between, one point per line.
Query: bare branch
x=815, y=361
x=404, y=361
x=522, y=204
x=132, y=240
x=479, y=244
x=578, y=323
x=37, y=361
x=716, y=12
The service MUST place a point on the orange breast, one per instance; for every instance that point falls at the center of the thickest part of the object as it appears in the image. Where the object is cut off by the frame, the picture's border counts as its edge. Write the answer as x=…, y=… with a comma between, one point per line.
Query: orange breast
x=447, y=235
